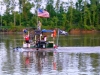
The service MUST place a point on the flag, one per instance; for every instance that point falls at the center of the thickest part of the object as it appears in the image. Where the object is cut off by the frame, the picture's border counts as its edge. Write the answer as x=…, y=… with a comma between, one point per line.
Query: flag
x=61, y=32
x=43, y=13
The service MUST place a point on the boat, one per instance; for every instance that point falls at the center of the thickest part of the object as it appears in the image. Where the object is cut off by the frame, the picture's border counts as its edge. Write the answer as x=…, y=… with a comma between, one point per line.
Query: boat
x=39, y=42
x=22, y=49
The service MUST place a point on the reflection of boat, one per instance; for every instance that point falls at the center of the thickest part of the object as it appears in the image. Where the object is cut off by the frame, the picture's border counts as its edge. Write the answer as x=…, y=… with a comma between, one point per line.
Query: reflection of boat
x=38, y=61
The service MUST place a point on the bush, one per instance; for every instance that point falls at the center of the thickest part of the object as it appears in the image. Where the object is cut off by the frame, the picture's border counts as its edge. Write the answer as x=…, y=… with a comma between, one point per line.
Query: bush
x=87, y=27
x=98, y=27
x=16, y=28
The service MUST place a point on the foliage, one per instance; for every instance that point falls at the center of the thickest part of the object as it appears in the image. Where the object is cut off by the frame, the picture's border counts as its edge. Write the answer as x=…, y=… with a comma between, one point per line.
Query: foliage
x=65, y=15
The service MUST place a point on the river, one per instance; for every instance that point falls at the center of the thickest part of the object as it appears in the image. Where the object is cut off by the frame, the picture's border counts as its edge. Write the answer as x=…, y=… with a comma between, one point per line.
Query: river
x=77, y=55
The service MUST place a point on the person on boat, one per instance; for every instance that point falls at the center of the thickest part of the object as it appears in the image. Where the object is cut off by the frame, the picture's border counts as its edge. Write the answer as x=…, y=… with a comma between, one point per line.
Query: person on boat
x=54, y=34
x=39, y=25
x=25, y=32
x=45, y=38
x=43, y=42
x=38, y=43
x=27, y=40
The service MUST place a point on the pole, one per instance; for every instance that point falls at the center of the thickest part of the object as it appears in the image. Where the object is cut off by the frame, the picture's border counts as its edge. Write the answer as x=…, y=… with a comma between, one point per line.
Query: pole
x=57, y=37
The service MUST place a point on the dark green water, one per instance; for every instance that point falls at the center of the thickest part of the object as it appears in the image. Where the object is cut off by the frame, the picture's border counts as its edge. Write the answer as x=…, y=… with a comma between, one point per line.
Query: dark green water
x=80, y=40
x=51, y=63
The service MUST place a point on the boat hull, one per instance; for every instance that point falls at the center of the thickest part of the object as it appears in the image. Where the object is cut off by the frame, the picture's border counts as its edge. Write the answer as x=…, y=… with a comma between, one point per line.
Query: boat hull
x=35, y=49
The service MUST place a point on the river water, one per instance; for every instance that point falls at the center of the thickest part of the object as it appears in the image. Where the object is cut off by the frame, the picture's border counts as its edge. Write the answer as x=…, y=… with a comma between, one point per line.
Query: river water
x=77, y=55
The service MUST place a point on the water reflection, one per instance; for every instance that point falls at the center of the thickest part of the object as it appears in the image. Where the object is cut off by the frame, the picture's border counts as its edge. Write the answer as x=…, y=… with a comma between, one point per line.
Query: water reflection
x=75, y=62
x=64, y=41
x=41, y=62
x=80, y=40
x=48, y=63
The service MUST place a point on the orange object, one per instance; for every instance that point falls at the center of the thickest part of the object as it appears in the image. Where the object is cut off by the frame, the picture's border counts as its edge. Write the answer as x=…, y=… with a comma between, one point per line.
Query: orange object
x=54, y=65
x=54, y=33
x=27, y=61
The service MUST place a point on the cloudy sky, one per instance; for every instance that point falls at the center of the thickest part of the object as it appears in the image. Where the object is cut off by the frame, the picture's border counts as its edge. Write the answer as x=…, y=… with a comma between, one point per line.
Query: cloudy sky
x=3, y=8
x=69, y=0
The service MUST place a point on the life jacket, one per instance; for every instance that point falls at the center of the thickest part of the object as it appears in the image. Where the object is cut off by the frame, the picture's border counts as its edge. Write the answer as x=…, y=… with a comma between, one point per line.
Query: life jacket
x=54, y=33
x=26, y=37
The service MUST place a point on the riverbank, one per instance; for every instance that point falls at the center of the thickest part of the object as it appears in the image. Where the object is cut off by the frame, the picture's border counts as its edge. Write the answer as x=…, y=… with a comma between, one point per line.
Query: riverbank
x=83, y=31
x=73, y=31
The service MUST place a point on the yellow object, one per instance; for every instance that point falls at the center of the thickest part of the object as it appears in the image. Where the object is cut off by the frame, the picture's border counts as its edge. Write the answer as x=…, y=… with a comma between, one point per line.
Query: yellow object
x=28, y=32
x=51, y=41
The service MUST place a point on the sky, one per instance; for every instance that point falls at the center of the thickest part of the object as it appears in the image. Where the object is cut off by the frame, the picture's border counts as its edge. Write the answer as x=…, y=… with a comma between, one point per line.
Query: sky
x=69, y=0
x=55, y=1
x=3, y=7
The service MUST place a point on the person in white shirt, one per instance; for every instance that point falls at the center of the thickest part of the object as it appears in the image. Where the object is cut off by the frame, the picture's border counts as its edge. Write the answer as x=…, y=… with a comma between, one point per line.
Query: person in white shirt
x=39, y=25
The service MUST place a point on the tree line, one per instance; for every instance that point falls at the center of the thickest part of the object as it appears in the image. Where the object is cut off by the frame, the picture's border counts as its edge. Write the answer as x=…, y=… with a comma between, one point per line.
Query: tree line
x=83, y=14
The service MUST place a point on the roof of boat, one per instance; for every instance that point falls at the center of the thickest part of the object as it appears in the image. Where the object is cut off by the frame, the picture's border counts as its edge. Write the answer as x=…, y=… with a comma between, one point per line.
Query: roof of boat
x=38, y=32
x=45, y=30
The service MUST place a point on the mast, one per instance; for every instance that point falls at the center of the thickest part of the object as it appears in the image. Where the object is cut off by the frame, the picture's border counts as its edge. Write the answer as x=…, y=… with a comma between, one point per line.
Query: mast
x=57, y=36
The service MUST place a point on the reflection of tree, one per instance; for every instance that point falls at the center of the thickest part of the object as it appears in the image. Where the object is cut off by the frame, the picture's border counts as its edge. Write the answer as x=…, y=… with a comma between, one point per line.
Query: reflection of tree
x=63, y=41
x=95, y=61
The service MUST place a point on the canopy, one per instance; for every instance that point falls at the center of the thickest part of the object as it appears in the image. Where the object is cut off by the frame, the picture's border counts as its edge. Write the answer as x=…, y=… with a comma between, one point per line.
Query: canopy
x=44, y=31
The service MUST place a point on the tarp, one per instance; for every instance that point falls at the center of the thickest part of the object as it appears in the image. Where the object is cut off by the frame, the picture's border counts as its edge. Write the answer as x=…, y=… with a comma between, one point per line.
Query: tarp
x=44, y=30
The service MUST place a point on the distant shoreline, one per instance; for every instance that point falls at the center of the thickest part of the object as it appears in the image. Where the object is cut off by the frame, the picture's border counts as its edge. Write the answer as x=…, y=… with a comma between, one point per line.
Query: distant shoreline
x=73, y=31
x=83, y=31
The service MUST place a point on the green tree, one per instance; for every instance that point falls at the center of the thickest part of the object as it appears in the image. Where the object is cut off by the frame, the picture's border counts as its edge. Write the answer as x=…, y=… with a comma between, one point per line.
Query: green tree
x=93, y=11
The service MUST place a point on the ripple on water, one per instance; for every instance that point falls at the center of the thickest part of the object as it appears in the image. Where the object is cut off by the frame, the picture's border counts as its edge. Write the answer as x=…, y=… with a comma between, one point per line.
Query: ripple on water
x=95, y=49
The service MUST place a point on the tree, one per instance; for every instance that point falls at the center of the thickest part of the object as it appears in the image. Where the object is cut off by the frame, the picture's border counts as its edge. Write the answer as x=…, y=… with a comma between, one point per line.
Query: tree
x=93, y=11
